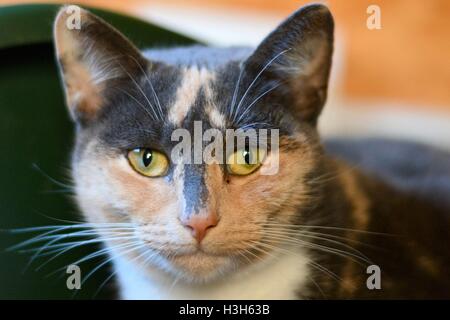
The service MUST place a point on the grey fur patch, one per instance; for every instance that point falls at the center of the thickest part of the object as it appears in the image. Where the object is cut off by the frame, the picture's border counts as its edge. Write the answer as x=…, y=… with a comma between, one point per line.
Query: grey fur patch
x=200, y=56
x=409, y=166
x=194, y=190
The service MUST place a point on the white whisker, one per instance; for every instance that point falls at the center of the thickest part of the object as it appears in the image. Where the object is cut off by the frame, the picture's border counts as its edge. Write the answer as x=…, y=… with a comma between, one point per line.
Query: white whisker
x=155, y=117
x=233, y=101
x=247, y=109
x=256, y=79
x=76, y=244
x=151, y=86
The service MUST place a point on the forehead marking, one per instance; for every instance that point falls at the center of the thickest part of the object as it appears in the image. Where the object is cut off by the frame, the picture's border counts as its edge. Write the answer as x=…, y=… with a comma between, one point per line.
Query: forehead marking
x=216, y=118
x=195, y=190
x=193, y=79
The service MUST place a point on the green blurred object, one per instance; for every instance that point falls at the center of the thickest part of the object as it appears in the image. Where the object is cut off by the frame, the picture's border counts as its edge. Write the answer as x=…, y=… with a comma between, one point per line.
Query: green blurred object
x=36, y=140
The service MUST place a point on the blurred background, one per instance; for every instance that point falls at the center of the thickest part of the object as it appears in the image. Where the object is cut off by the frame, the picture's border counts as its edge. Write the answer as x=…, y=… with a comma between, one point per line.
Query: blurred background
x=393, y=81
x=388, y=82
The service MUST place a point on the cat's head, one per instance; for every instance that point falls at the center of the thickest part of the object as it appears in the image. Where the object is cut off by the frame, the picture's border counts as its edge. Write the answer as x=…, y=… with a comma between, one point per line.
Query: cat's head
x=201, y=220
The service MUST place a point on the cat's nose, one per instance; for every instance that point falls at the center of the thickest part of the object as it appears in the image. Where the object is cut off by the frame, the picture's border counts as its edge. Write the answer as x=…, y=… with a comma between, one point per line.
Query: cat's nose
x=199, y=225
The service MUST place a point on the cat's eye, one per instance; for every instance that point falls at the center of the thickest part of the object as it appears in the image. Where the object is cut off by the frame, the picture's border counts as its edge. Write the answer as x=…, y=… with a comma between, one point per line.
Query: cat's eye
x=245, y=161
x=148, y=162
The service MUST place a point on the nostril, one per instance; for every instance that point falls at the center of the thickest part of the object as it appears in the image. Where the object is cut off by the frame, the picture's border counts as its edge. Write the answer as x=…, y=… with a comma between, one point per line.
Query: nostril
x=211, y=226
x=191, y=229
x=211, y=222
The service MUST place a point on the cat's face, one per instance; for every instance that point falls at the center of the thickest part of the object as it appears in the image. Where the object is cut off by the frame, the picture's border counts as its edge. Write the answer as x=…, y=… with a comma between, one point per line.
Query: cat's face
x=197, y=221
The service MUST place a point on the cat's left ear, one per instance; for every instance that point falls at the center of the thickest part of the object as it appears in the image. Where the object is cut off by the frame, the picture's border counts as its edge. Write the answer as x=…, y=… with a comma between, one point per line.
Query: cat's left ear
x=297, y=55
x=94, y=59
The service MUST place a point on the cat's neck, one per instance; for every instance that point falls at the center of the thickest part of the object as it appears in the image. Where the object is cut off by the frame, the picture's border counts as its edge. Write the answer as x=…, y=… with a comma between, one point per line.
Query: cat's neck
x=281, y=277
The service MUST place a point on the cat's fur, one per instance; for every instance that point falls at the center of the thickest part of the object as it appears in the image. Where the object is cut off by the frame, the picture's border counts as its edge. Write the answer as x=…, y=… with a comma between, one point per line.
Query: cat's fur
x=121, y=99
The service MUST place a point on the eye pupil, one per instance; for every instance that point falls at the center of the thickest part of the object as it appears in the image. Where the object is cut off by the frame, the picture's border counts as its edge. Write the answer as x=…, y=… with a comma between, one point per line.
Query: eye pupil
x=147, y=157
x=247, y=156
x=244, y=161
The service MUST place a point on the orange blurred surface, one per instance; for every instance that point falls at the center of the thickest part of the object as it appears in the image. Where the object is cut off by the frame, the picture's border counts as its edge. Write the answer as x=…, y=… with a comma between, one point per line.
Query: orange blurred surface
x=407, y=61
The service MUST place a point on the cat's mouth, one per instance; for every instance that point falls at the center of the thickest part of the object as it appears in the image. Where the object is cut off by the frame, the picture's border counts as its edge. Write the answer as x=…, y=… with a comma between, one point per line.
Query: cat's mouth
x=199, y=261
x=198, y=264
x=194, y=252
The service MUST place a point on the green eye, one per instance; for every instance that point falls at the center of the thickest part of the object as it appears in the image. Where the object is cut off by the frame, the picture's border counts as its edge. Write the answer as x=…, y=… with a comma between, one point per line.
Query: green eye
x=148, y=162
x=245, y=161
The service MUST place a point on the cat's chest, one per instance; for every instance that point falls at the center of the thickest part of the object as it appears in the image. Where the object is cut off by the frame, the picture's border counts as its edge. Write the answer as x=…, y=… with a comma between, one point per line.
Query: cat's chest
x=282, y=277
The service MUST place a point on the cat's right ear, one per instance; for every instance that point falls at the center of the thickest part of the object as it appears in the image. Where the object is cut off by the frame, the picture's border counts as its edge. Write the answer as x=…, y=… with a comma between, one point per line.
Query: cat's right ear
x=94, y=58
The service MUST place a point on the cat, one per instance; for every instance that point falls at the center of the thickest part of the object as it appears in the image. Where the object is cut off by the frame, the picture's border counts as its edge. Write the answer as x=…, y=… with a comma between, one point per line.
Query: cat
x=320, y=228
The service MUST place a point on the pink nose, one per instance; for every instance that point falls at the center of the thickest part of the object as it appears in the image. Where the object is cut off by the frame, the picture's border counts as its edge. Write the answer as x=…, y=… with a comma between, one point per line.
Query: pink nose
x=200, y=225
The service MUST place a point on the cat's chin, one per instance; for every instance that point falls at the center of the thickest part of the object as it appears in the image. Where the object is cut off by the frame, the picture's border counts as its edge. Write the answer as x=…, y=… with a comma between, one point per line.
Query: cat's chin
x=200, y=267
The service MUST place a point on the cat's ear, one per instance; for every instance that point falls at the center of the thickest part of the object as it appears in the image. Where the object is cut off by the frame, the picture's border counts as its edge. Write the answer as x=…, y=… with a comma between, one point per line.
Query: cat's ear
x=297, y=54
x=93, y=58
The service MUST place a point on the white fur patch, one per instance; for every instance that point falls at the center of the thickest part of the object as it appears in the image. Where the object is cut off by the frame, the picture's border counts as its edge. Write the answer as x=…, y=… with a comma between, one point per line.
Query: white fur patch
x=280, y=277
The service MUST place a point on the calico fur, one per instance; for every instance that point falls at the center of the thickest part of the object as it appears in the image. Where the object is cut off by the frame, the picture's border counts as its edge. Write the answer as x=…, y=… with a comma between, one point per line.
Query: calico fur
x=310, y=231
